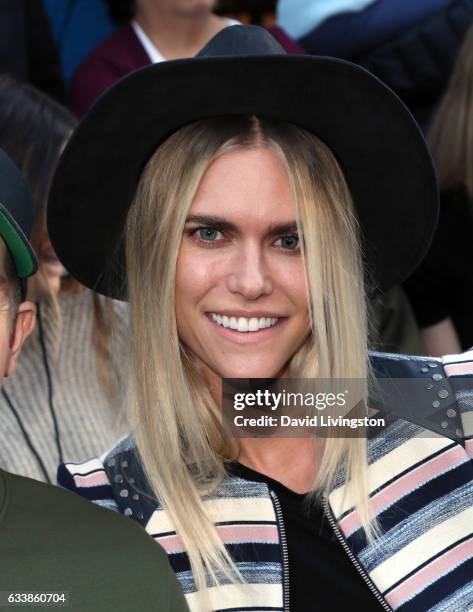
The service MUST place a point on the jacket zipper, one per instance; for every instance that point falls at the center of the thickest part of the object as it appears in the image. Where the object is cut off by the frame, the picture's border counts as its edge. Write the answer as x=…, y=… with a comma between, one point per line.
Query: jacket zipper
x=353, y=559
x=285, y=555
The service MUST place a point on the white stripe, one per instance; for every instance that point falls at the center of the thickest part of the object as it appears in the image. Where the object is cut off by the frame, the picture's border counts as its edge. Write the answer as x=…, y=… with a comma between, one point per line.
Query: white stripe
x=467, y=356
x=83, y=468
x=225, y=509
x=237, y=596
x=395, y=462
x=423, y=548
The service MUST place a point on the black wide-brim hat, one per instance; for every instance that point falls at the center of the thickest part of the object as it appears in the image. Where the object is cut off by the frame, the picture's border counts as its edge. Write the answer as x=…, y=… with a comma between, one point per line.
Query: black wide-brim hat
x=243, y=71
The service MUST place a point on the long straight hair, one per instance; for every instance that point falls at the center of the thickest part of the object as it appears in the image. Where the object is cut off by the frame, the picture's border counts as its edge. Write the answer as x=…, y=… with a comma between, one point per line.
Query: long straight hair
x=174, y=417
x=451, y=133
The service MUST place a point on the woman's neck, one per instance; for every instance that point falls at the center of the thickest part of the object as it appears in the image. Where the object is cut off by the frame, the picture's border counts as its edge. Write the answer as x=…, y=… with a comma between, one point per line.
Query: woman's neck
x=177, y=35
x=291, y=461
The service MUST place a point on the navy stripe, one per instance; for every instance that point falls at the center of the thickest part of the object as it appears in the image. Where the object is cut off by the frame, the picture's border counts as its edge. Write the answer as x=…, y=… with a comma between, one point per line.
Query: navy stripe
x=163, y=534
x=419, y=567
x=240, y=553
x=441, y=485
x=441, y=589
x=403, y=473
x=413, y=502
x=96, y=493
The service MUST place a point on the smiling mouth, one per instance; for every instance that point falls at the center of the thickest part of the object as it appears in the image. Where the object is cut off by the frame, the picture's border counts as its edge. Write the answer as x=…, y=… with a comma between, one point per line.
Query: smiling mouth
x=244, y=324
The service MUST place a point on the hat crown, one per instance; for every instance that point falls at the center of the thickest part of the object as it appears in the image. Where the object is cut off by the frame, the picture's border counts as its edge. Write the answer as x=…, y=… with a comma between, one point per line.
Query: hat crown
x=241, y=40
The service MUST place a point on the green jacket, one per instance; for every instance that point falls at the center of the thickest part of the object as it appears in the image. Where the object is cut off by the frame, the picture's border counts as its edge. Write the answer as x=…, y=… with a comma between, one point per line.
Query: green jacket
x=51, y=540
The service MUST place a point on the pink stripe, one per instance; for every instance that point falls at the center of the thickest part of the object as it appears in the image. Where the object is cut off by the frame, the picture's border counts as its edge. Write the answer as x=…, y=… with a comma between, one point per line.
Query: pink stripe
x=230, y=534
x=407, y=483
x=171, y=544
x=92, y=480
x=249, y=533
x=458, y=368
x=430, y=573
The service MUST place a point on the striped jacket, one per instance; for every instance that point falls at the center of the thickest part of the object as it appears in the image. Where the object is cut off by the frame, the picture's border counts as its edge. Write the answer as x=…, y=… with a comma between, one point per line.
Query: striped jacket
x=421, y=490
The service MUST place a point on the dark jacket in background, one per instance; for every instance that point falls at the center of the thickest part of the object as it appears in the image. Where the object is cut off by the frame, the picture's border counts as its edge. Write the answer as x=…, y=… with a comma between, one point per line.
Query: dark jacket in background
x=442, y=285
x=27, y=49
x=410, y=45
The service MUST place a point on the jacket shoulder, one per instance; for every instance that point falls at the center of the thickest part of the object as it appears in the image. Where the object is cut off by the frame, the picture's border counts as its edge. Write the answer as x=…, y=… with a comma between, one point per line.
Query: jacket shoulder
x=434, y=393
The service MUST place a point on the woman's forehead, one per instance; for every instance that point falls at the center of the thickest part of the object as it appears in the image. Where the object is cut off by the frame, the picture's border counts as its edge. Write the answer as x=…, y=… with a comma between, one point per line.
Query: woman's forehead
x=246, y=186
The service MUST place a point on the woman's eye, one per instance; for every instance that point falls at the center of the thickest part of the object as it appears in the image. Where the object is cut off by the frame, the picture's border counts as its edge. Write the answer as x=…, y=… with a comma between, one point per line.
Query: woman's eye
x=208, y=234
x=290, y=242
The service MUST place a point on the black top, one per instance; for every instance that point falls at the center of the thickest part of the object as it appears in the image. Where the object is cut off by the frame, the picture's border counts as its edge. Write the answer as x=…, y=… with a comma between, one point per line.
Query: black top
x=321, y=576
x=443, y=284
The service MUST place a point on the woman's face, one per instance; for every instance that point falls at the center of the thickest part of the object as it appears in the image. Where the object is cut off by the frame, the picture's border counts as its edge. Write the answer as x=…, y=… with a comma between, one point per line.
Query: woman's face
x=241, y=300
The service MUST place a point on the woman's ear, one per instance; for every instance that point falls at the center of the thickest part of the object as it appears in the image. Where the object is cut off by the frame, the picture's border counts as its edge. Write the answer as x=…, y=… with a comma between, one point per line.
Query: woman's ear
x=23, y=325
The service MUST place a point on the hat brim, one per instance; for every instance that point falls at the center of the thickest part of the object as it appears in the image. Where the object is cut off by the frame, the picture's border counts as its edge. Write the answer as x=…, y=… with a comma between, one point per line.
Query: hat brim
x=373, y=136
x=18, y=245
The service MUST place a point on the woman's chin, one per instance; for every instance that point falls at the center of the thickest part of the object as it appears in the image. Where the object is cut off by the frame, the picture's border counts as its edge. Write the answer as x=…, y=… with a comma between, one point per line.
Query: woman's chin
x=251, y=372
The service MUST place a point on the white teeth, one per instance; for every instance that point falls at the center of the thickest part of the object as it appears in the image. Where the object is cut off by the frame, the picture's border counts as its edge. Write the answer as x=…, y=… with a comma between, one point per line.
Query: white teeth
x=253, y=324
x=242, y=324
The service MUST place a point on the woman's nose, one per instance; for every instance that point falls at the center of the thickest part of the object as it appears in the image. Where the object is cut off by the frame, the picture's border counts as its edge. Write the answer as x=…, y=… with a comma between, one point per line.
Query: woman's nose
x=249, y=274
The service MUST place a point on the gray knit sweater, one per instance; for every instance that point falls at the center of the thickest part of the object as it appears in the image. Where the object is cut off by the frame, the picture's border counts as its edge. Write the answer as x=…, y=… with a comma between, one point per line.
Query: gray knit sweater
x=88, y=421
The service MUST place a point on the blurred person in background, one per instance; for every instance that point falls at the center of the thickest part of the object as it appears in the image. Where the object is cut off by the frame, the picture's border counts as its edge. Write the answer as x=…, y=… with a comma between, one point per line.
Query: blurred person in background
x=27, y=49
x=152, y=31
x=442, y=288
x=411, y=46
x=78, y=27
x=64, y=398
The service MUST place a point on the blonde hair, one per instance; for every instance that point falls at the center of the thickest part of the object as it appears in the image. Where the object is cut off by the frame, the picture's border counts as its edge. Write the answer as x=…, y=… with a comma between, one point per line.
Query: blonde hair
x=451, y=133
x=174, y=418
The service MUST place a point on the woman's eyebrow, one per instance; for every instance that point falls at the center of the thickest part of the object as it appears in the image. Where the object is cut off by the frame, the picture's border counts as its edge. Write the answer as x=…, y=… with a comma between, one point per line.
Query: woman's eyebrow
x=283, y=228
x=212, y=221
